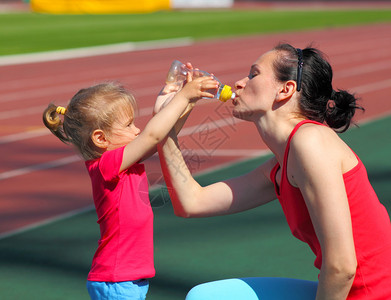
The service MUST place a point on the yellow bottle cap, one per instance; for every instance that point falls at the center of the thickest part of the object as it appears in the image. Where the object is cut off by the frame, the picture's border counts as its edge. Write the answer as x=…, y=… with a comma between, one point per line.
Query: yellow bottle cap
x=226, y=93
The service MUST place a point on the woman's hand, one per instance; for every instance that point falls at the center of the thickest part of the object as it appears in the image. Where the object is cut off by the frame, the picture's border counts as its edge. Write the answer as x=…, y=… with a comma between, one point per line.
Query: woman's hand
x=165, y=96
x=170, y=90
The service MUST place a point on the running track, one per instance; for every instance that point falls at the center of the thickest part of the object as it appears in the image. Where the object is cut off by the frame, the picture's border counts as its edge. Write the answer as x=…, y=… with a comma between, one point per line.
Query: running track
x=40, y=178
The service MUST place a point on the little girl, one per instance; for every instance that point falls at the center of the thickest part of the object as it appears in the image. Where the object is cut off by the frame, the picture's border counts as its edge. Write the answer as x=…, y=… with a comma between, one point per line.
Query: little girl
x=99, y=122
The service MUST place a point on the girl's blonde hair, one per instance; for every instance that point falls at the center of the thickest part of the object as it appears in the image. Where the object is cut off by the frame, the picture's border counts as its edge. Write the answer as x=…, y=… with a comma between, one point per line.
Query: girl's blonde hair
x=90, y=109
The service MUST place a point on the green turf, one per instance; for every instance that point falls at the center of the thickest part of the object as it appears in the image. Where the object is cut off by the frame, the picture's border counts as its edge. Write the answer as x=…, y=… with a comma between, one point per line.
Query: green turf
x=52, y=262
x=31, y=32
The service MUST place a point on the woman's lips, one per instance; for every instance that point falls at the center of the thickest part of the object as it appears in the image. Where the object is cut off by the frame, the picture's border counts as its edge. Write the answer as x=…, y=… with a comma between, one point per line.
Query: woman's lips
x=234, y=100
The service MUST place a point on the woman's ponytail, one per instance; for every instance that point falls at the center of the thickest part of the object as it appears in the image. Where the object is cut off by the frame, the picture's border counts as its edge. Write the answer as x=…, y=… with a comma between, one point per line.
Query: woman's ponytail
x=340, y=110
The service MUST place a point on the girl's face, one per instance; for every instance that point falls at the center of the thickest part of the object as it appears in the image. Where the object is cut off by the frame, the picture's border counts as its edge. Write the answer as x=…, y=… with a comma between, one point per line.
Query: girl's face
x=123, y=131
x=255, y=93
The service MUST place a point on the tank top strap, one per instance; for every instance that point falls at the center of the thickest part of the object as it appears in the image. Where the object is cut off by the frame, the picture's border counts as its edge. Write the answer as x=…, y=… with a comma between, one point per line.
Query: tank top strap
x=286, y=153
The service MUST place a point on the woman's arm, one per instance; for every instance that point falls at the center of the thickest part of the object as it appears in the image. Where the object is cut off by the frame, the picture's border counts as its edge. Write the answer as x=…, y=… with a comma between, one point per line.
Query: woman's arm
x=189, y=199
x=316, y=167
x=166, y=94
x=177, y=127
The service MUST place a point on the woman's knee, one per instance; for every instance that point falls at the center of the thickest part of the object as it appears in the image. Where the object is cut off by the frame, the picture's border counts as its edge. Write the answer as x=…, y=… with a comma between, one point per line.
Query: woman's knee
x=254, y=288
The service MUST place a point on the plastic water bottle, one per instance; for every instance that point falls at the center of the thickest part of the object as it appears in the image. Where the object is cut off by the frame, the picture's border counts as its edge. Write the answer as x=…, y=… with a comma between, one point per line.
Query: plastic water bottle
x=177, y=75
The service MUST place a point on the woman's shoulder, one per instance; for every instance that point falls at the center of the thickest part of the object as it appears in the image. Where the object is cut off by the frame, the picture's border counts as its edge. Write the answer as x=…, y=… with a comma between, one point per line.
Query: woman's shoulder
x=321, y=144
x=315, y=143
x=314, y=136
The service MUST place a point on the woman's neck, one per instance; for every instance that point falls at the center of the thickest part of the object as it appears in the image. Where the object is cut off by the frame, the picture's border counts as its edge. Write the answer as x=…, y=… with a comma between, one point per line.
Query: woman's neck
x=275, y=133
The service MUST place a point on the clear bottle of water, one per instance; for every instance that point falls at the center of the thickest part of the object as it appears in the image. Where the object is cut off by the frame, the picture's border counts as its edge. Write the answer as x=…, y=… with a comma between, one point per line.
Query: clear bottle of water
x=177, y=75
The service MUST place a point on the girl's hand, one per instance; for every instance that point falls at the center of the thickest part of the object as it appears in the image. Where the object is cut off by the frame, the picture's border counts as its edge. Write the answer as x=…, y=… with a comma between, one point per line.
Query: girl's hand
x=170, y=90
x=199, y=88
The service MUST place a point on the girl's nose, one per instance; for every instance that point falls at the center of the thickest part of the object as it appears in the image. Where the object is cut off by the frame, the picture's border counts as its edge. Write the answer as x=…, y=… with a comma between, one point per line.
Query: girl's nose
x=135, y=130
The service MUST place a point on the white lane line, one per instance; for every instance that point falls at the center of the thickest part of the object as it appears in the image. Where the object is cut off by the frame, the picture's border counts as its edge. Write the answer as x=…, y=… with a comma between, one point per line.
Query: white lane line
x=206, y=127
x=39, y=167
x=364, y=69
x=8, y=60
x=370, y=87
x=16, y=113
x=46, y=221
x=24, y=135
x=225, y=152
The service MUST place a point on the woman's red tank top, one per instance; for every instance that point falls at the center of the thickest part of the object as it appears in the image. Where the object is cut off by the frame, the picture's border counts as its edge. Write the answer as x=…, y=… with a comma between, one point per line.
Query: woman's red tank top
x=370, y=222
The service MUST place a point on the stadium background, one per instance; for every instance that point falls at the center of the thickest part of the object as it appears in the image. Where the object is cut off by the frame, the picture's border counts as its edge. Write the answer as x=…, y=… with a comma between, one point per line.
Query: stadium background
x=48, y=229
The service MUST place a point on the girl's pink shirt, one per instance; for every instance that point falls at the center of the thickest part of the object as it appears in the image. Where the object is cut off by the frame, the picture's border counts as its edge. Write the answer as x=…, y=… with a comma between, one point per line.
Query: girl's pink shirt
x=370, y=223
x=125, y=247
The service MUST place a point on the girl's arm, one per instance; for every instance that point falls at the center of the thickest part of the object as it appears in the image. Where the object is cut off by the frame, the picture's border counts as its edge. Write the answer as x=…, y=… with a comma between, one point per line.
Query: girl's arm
x=177, y=127
x=316, y=164
x=166, y=94
x=189, y=199
x=160, y=124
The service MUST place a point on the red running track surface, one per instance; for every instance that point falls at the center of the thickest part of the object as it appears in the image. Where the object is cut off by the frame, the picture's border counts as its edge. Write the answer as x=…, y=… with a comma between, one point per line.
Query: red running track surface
x=41, y=178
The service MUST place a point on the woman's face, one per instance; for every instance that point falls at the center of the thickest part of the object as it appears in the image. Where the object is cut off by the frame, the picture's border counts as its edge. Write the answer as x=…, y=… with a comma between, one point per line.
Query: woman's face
x=256, y=93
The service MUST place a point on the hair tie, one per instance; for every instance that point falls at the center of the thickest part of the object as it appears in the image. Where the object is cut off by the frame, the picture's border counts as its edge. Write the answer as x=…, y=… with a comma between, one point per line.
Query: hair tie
x=299, y=68
x=61, y=110
x=331, y=104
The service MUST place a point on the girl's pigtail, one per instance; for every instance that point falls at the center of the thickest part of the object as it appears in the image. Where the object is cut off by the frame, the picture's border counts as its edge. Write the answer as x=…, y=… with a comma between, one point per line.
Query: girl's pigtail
x=53, y=122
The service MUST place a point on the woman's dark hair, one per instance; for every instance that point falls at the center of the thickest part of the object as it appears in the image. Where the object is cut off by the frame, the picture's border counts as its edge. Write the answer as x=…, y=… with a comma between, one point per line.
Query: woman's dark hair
x=318, y=100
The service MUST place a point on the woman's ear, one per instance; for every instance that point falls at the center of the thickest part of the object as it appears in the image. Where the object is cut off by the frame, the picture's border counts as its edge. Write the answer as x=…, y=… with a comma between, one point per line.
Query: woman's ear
x=287, y=90
x=99, y=139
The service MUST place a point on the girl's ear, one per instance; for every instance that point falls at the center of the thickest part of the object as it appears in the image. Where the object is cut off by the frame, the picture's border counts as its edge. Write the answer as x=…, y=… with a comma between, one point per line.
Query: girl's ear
x=287, y=90
x=99, y=139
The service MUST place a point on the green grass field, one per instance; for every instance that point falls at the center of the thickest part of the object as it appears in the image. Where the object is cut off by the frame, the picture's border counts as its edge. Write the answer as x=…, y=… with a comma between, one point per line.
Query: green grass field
x=31, y=32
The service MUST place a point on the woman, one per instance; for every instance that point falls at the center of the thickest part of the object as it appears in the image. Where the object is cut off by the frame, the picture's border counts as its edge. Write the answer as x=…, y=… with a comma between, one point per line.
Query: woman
x=319, y=181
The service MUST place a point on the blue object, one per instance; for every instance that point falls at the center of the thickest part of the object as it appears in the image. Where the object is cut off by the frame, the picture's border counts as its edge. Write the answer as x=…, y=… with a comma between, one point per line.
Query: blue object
x=255, y=288
x=125, y=290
